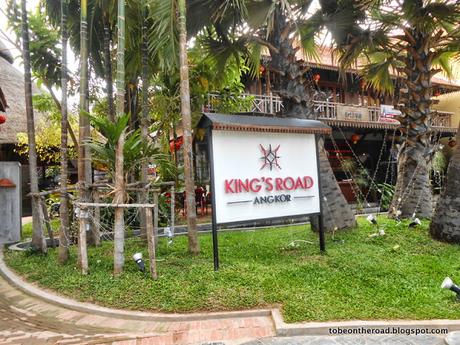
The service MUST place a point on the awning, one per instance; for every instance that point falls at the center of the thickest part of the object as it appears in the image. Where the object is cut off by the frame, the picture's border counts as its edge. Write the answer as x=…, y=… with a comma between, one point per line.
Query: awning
x=251, y=123
x=379, y=125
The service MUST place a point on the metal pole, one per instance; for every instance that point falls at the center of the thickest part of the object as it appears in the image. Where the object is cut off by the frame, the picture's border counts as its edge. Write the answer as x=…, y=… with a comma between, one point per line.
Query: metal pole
x=215, y=243
x=322, y=242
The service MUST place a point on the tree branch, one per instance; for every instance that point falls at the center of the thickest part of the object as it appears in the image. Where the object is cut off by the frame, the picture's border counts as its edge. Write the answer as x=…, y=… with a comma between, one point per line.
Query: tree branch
x=270, y=46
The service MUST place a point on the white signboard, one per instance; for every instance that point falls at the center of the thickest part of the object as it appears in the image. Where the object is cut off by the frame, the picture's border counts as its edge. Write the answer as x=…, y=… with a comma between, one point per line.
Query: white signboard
x=264, y=175
x=388, y=114
x=352, y=113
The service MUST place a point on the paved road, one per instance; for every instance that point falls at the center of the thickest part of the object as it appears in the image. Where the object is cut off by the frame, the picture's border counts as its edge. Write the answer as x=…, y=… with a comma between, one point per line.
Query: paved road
x=352, y=340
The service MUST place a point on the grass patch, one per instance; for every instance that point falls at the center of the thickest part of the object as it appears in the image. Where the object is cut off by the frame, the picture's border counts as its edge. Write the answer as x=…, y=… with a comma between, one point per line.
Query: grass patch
x=396, y=276
x=27, y=229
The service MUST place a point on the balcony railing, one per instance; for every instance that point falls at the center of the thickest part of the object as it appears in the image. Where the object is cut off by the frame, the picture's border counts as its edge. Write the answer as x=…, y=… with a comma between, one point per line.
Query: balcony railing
x=326, y=110
x=268, y=104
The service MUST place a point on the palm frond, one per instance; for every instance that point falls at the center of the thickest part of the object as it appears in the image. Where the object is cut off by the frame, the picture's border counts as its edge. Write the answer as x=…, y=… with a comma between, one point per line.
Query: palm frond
x=378, y=72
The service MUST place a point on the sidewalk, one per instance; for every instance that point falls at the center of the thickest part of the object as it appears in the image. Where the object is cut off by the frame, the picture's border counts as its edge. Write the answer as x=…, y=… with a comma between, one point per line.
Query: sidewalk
x=28, y=316
x=354, y=340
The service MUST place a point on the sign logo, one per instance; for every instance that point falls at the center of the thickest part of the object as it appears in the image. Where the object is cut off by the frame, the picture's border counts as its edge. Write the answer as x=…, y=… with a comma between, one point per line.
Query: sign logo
x=270, y=157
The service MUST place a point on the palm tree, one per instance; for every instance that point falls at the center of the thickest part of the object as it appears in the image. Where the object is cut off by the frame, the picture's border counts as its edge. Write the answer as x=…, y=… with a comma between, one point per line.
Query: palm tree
x=193, y=244
x=108, y=57
x=445, y=224
x=64, y=207
x=413, y=39
x=240, y=29
x=38, y=240
x=119, y=226
x=145, y=109
x=169, y=25
x=84, y=167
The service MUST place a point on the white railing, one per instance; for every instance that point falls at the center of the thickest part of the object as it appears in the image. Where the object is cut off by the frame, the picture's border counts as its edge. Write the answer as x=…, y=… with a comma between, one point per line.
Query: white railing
x=259, y=103
x=326, y=110
x=442, y=119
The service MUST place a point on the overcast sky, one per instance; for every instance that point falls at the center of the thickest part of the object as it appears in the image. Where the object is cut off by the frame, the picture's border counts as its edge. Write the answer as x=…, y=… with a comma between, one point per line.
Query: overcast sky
x=31, y=6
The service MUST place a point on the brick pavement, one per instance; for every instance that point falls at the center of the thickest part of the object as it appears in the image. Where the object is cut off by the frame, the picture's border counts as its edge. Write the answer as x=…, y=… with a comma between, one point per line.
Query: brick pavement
x=28, y=320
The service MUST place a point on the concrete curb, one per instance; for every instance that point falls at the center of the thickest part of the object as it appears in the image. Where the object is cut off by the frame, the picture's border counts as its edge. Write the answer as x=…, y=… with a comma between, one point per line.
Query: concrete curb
x=326, y=328
x=281, y=328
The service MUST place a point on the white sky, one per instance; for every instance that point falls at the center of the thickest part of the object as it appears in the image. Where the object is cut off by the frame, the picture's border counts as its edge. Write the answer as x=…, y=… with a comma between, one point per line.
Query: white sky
x=31, y=6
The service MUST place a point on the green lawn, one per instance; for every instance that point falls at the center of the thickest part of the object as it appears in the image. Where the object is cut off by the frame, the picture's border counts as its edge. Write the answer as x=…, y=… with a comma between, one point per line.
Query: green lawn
x=396, y=276
x=27, y=229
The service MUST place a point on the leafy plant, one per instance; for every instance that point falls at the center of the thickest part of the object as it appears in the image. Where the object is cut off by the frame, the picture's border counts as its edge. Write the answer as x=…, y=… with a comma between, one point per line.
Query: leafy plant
x=135, y=150
x=231, y=102
x=386, y=195
x=360, y=175
x=48, y=132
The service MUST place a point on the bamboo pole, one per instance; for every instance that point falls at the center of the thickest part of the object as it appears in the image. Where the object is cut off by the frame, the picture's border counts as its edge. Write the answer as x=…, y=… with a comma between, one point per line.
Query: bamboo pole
x=47, y=222
x=82, y=248
x=155, y=218
x=96, y=228
x=173, y=209
x=151, y=242
x=102, y=204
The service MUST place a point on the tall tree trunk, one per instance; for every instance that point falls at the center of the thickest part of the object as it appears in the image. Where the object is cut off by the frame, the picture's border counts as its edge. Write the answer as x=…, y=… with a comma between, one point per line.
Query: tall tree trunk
x=193, y=244
x=82, y=150
x=108, y=65
x=145, y=114
x=119, y=225
x=64, y=207
x=413, y=192
x=445, y=224
x=38, y=240
x=296, y=92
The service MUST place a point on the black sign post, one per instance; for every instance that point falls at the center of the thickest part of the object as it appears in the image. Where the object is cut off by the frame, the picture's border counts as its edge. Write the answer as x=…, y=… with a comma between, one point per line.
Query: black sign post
x=215, y=243
x=259, y=124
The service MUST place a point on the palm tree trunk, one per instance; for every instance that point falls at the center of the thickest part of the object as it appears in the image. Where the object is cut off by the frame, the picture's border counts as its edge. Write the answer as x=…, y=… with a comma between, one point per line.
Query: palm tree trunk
x=64, y=207
x=119, y=235
x=295, y=91
x=445, y=224
x=145, y=115
x=108, y=66
x=38, y=240
x=413, y=194
x=193, y=244
x=82, y=151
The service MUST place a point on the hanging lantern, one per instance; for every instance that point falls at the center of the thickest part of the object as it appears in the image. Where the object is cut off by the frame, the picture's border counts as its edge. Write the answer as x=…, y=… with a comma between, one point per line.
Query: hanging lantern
x=437, y=93
x=2, y=119
x=362, y=84
x=261, y=69
x=175, y=145
x=355, y=138
x=316, y=78
x=452, y=143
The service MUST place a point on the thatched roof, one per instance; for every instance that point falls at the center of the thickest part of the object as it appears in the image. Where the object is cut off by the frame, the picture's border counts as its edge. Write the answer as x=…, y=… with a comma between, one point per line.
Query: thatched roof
x=5, y=53
x=12, y=86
